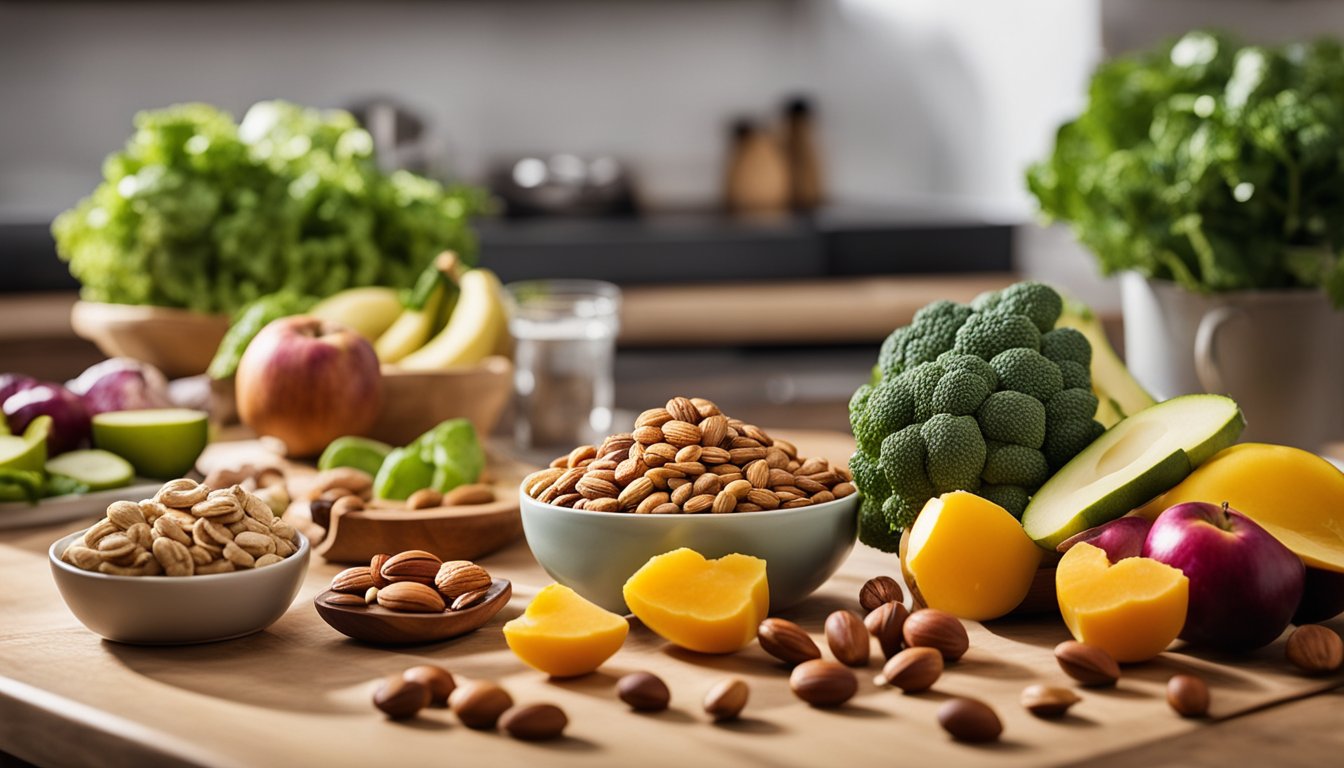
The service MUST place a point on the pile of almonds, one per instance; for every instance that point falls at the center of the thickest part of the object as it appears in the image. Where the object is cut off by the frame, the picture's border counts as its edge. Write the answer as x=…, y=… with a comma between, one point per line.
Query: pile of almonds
x=346, y=489
x=688, y=457
x=414, y=581
x=478, y=704
x=187, y=529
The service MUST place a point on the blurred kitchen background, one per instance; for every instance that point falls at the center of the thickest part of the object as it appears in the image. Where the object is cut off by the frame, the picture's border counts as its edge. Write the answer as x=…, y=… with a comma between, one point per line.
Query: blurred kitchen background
x=607, y=128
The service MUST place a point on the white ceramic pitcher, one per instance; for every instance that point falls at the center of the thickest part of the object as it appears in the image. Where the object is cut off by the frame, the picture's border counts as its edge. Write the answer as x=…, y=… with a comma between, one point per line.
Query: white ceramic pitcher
x=1279, y=354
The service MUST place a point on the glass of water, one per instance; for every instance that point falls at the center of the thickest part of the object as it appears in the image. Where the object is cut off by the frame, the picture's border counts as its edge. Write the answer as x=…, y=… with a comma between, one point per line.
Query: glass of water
x=565, y=344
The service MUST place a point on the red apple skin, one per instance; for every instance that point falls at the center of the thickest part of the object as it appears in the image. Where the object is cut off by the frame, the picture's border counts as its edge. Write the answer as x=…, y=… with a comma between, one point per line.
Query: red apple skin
x=1244, y=584
x=307, y=381
x=1322, y=597
x=1119, y=538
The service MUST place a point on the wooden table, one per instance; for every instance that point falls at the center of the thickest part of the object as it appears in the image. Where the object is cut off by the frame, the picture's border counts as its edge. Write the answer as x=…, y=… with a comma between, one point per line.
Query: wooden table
x=298, y=694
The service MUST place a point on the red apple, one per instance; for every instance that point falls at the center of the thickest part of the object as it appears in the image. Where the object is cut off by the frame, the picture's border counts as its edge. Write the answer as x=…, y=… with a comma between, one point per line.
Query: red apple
x=1119, y=538
x=1322, y=597
x=308, y=381
x=1244, y=584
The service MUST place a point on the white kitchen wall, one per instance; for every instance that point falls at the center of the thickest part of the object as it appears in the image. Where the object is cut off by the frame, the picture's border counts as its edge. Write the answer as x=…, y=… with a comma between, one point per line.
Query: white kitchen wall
x=919, y=99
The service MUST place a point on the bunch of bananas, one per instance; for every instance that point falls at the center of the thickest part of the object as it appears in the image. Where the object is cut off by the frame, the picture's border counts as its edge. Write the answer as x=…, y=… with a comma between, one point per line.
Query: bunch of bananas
x=453, y=317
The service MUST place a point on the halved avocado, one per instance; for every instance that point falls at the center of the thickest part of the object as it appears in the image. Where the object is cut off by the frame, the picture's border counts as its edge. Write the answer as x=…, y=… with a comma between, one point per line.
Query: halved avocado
x=1134, y=461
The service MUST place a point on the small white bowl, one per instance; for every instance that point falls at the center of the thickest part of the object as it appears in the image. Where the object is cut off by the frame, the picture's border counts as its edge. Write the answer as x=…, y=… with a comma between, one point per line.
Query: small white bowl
x=594, y=553
x=178, y=610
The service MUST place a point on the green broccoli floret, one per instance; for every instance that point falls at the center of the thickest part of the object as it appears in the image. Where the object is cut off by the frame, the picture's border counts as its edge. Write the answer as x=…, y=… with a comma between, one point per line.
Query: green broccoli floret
x=986, y=335
x=1038, y=302
x=956, y=452
x=1012, y=417
x=1008, y=464
x=1029, y=372
x=987, y=398
x=1064, y=439
x=1066, y=344
x=1074, y=375
x=959, y=393
x=887, y=408
x=1011, y=497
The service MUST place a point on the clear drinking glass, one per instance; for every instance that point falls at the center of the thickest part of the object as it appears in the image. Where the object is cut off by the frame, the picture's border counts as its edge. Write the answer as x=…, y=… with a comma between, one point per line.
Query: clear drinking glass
x=565, y=344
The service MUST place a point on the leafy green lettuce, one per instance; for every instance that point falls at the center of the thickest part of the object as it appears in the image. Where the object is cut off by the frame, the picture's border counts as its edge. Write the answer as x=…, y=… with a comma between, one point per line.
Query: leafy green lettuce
x=1216, y=165
x=202, y=213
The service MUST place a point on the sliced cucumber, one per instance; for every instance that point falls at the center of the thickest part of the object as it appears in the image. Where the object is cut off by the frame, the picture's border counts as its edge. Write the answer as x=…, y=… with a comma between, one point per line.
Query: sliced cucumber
x=97, y=469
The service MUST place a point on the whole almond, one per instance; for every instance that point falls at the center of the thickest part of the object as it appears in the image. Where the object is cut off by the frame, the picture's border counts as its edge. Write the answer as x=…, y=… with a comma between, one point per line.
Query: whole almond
x=400, y=698
x=458, y=577
x=596, y=488
x=648, y=435
x=726, y=699
x=352, y=601
x=786, y=641
x=469, y=599
x=654, y=417
x=712, y=431
x=879, y=590
x=681, y=433
x=479, y=703
x=468, y=495
x=644, y=692
x=763, y=498
x=1087, y=664
x=1048, y=701
x=932, y=628
x=353, y=581
x=707, y=484
x=534, y=722
x=887, y=624
x=438, y=680
x=425, y=498
x=634, y=493
x=969, y=720
x=714, y=456
x=581, y=454
x=724, y=503
x=848, y=638
x=1315, y=649
x=412, y=565
x=683, y=409
x=744, y=456
x=912, y=670
x=738, y=489
x=823, y=683
x=1188, y=695
x=410, y=597
x=376, y=564
x=652, y=502
x=701, y=503
x=841, y=490
x=630, y=469
x=540, y=480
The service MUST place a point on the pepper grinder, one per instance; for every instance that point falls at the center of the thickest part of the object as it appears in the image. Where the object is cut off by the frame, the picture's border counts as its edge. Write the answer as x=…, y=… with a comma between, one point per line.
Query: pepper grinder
x=802, y=155
x=758, y=174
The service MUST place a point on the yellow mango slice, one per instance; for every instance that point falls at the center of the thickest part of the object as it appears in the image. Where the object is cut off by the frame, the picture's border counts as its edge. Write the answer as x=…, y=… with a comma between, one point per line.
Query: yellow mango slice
x=970, y=557
x=563, y=634
x=710, y=606
x=1132, y=609
x=1294, y=494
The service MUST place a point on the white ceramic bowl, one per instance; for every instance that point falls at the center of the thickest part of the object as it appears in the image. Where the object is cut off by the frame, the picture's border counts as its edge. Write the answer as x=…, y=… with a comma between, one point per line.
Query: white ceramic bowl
x=178, y=610
x=594, y=553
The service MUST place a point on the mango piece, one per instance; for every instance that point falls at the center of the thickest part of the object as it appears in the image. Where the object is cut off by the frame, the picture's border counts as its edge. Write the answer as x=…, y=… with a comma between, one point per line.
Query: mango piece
x=1132, y=609
x=970, y=557
x=710, y=606
x=1294, y=494
x=564, y=635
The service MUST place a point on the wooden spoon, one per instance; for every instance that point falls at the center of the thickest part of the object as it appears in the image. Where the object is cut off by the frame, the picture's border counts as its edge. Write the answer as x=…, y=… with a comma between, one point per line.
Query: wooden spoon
x=380, y=626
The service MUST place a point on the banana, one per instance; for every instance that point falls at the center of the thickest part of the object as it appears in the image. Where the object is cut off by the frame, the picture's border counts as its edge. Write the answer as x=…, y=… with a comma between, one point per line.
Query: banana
x=472, y=332
x=367, y=311
x=414, y=326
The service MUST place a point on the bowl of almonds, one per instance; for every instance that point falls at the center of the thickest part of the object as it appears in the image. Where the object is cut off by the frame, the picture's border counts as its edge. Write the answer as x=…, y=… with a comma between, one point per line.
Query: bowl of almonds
x=193, y=564
x=688, y=475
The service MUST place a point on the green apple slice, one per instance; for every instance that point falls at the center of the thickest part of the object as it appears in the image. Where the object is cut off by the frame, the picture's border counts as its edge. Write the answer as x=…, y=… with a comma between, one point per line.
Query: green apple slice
x=358, y=452
x=29, y=452
x=162, y=443
x=1133, y=462
x=98, y=469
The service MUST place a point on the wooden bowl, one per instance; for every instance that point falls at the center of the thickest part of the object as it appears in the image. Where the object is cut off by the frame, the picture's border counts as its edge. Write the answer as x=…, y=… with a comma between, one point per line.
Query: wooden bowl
x=176, y=341
x=376, y=624
x=450, y=533
x=414, y=401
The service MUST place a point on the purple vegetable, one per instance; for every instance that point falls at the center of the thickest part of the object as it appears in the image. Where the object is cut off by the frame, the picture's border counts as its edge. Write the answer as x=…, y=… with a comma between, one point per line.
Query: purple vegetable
x=121, y=384
x=12, y=383
x=69, y=419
